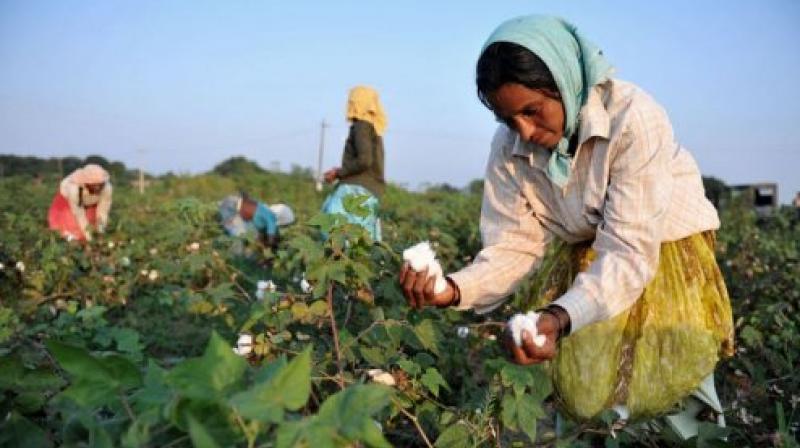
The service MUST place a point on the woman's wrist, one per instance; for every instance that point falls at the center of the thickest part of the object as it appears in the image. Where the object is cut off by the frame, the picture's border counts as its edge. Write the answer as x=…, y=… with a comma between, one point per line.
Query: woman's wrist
x=561, y=316
x=456, y=292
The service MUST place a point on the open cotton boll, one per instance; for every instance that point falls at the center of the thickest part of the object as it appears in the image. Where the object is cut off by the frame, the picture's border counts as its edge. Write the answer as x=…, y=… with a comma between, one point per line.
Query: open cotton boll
x=421, y=256
x=622, y=411
x=264, y=286
x=305, y=286
x=381, y=377
x=526, y=322
x=244, y=346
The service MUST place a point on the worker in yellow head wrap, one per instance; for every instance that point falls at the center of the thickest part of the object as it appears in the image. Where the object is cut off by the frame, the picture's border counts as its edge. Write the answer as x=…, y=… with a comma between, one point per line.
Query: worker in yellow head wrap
x=361, y=172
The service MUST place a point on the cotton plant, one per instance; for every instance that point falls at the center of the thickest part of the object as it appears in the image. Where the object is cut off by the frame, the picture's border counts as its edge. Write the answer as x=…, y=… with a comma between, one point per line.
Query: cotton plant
x=422, y=256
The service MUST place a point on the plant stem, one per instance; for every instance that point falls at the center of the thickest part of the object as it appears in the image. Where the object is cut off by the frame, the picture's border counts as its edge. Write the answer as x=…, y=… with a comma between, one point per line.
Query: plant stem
x=415, y=421
x=251, y=440
x=335, y=336
x=176, y=441
x=127, y=406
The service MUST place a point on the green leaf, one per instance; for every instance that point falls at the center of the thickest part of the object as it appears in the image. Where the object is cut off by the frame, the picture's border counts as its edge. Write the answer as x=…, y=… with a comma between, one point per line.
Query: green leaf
x=455, y=436
x=350, y=413
x=354, y=204
x=410, y=367
x=710, y=435
x=90, y=393
x=138, y=433
x=268, y=371
x=432, y=379
x=127, y=340
x=517, y=377
x=211, y=376
x=200, y=436
x=95, y=381
x=326, y=222
x=16, y=430
x=11, y=371
x=373, y=355
x=426, y=332
x=79, y=363
x=520, y=412
x=125, y=373
x=155, y=391
x=288, y=388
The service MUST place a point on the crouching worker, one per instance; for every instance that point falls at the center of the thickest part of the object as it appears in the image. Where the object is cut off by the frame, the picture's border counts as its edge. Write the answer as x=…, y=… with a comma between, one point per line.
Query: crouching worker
x=82, y=202
x=241, y=214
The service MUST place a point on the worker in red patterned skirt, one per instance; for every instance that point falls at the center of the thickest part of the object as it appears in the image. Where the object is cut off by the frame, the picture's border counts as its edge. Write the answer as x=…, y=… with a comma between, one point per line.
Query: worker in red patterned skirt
x=81, y=204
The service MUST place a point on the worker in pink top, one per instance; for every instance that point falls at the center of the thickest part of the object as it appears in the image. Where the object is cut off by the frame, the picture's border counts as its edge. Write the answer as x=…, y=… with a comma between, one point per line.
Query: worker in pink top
x=81, y=204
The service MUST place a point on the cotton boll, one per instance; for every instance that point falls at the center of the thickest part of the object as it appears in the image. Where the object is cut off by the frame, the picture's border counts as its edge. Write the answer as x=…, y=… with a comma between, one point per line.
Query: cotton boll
x=622, y=411
x=462, y=332
x=264, y=286
x=420, y=257
x=20, y=266
x=305, y=286
x=527, y=322
x=244, y=345
x=381, y=377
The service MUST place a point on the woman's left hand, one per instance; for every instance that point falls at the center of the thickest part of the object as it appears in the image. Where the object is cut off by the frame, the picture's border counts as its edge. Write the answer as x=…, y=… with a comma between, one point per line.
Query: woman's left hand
x=529, y=353
x=331, y=175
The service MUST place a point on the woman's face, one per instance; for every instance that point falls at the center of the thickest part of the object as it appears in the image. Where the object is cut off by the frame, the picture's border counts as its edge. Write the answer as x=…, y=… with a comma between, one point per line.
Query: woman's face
x=536, y=115
x=94, y=188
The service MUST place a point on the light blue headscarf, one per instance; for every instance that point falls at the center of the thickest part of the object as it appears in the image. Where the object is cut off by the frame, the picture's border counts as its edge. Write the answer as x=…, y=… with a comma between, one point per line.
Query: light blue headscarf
x=575, y=63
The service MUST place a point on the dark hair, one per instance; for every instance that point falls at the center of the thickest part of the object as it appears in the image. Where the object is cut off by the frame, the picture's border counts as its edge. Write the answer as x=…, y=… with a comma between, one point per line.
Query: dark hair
x=506, y=62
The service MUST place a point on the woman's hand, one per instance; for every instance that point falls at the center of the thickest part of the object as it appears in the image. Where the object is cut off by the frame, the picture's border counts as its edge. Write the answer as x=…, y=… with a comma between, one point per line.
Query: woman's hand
x=529, y=353
x=331, y=175
x=418, y=289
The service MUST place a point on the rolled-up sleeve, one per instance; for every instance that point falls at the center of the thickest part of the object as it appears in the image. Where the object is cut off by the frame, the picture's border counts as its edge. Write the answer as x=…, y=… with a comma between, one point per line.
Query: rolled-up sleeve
x=514, y=240
x=629, y=238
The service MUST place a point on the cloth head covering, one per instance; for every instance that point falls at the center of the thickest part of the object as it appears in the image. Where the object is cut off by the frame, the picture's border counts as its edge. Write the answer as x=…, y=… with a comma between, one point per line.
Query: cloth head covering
x=363, y=104
x=575, y=63
x=90, y=174
x=284, y=214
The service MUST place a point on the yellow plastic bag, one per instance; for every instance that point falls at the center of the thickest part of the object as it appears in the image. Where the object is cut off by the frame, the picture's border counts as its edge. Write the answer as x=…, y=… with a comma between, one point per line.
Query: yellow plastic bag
x=655, y=353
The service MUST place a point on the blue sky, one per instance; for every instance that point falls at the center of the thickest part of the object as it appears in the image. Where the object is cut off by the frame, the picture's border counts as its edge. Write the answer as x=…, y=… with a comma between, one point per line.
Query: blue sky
x=181, y=85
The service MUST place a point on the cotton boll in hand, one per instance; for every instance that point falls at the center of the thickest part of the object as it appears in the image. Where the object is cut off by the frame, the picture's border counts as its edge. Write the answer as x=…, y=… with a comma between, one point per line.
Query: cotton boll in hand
x=526, y=322
x=421, y=256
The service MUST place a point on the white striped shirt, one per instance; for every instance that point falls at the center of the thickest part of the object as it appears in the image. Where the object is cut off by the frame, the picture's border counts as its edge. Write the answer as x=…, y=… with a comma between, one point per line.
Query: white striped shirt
x=632, y=187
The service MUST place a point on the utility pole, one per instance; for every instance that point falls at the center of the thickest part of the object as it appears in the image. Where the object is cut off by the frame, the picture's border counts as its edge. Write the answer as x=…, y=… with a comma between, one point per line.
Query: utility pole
x=141, y=172
x=60, y=167
x=323, y=125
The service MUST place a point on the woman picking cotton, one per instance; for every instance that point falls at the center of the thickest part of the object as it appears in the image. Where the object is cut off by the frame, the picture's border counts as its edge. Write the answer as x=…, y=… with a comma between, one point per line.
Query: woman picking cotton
x=361, y=172
x=635, y=314
x=82, y=203
x=241, y=214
